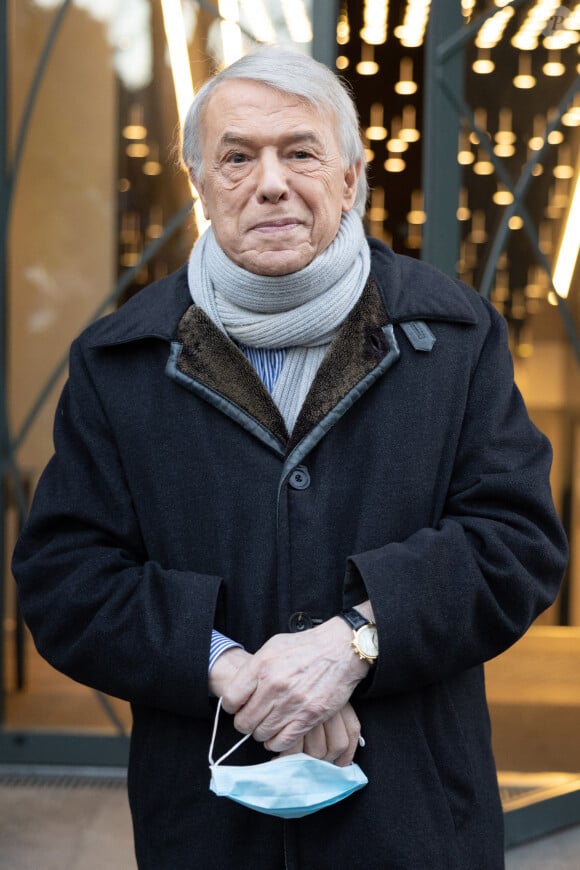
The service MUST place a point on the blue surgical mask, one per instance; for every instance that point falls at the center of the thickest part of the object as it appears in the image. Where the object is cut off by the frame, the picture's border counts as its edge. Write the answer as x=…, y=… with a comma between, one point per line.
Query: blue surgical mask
x=289, y=787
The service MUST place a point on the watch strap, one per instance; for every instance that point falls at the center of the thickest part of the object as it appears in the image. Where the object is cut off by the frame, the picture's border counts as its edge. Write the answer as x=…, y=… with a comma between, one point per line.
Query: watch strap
x=355, y=619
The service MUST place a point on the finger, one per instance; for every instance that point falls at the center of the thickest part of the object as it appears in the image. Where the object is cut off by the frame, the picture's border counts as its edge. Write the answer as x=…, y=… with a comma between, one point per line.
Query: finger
x=298, y=746
x=336, y=737
x=352, y=726
x=315, y=742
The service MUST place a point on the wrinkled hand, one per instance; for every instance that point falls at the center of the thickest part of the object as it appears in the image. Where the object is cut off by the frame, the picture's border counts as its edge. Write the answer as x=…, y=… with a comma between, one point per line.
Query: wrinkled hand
x=294, y=683
x=336, y=740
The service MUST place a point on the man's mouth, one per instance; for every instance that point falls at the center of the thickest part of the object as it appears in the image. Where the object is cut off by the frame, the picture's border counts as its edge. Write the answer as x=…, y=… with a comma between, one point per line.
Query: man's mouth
x=276, y=225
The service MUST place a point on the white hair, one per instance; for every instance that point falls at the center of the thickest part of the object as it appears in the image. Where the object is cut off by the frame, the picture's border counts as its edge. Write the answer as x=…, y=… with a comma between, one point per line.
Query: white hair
x=290, y=72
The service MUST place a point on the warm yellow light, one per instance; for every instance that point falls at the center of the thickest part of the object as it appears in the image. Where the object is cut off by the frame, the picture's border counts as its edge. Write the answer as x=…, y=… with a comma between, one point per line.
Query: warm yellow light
x=367, y=66
x=515, y=222
x=524, y=79
x=152, y=167
x=343, y=28
x=478, y=234
x=342, y=62
x=377, y=211
x=483, y=166
x=483, y=66
x=405, y=85
x=394, y=164
x=408, y=131
x=537, y=170
x=375, y=17
x=137, y=149
x=376, y=131
x=134, y=131
x=411, y=32
x=503, y=196
x=502, y=150
x=178, y=54
x=397, y=146
x=369, y=155
x=553, y=66
x=567, y=253
x=555, y=137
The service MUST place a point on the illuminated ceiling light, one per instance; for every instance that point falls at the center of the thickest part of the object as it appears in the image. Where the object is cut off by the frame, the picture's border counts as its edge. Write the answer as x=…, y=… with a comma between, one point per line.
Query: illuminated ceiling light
x=467, y=7
x=563, y=168
x=411, y=33
x=367, y=66
x=396, y=145
x=343, y=27
x=480, y=118
x=505, y=134
x=537, y=170
x=571, y=118
x=524, y=79
x=376, y=132
x=501, y=290
x=137, y=149
x=417, y=214
x=256, y=13
x=375, y=17
x=230, y=32
x=478, y=234
x=369, y=155
x=483, y=64
x=135, y=129
x=405, y=85
x=465, y=155
x=342, y=62
x=463, y=211
x=408, y=131
x=553, y=66
x=491, y=31
x=559, y=196
x=152, y=166
x=567, y=253
x=155, y=228
x=502, y=196
x=178, y=55
x=483, y=165
x=297, y=20
x=377, y=211
x=515, y=222
x=503, y=150
x=395, y=164
x=536, y=142
x=124, y=185
x=536, y=23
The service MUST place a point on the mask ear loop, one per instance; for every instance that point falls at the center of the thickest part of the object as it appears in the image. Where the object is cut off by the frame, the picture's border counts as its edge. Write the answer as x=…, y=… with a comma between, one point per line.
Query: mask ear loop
x=213, y=763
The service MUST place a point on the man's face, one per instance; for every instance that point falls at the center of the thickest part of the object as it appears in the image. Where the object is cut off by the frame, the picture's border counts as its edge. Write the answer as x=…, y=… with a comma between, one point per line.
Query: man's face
x=273, y=183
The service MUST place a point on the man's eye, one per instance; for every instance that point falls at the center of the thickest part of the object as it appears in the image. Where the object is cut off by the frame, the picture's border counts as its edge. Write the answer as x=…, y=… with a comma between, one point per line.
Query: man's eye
x=301, y=155
x=237, y=158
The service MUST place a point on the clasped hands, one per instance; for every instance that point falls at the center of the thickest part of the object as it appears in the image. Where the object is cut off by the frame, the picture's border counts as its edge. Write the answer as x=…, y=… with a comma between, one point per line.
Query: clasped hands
x=293, y=694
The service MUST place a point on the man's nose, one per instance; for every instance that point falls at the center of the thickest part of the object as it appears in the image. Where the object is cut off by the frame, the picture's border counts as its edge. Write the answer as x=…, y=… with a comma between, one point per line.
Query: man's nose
x=272, y=184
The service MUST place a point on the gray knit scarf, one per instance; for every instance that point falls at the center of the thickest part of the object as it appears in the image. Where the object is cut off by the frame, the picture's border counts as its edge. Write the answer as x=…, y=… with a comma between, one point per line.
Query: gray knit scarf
x=300, y=312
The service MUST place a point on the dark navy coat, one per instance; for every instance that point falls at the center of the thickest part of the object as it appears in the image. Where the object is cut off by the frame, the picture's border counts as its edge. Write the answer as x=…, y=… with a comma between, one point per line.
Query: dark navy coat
x=176, y=502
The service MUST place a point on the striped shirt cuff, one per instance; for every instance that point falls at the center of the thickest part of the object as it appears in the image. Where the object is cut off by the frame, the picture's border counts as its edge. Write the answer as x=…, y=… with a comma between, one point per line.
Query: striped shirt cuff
x=218, y=645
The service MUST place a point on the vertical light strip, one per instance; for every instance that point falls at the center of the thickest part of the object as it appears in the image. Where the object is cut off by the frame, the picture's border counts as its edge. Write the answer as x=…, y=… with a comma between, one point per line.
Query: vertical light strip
x=181, y=72
x=230, y=30
x=297, y=20
x=178, y=55
x=567, y=254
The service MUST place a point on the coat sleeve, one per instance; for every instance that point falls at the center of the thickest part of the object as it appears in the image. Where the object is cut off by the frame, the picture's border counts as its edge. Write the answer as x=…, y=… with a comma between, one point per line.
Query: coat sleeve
x=454, y=595
x=99, y=610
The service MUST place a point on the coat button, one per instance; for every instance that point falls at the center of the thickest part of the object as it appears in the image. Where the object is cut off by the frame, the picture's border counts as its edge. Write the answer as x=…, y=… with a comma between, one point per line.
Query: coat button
x=300, y=621
x=300, y=478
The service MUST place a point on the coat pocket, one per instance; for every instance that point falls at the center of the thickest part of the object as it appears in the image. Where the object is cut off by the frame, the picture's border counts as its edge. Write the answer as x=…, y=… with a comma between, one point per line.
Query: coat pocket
x=439, y=724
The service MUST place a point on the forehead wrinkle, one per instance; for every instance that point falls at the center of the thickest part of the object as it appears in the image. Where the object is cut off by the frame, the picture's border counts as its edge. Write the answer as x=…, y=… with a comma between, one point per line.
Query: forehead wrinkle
x=306, y=136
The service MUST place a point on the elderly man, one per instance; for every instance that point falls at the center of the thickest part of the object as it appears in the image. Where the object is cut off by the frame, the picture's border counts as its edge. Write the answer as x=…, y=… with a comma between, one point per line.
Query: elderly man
x=299, y=465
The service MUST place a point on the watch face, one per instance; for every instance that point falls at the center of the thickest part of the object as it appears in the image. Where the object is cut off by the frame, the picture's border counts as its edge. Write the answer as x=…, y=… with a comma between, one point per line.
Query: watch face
x=367, y=639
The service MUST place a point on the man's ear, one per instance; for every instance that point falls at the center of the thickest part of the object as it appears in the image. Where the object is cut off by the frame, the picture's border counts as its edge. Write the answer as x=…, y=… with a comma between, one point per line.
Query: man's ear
x=351, y=176
x=199, y=188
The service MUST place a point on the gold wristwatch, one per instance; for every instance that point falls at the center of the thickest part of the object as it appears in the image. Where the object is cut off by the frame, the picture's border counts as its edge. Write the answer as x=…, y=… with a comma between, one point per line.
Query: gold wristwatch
x=365, y=641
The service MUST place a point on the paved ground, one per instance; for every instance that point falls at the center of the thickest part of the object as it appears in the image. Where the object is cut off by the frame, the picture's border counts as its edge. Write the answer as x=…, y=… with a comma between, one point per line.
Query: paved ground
x=86, y=826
